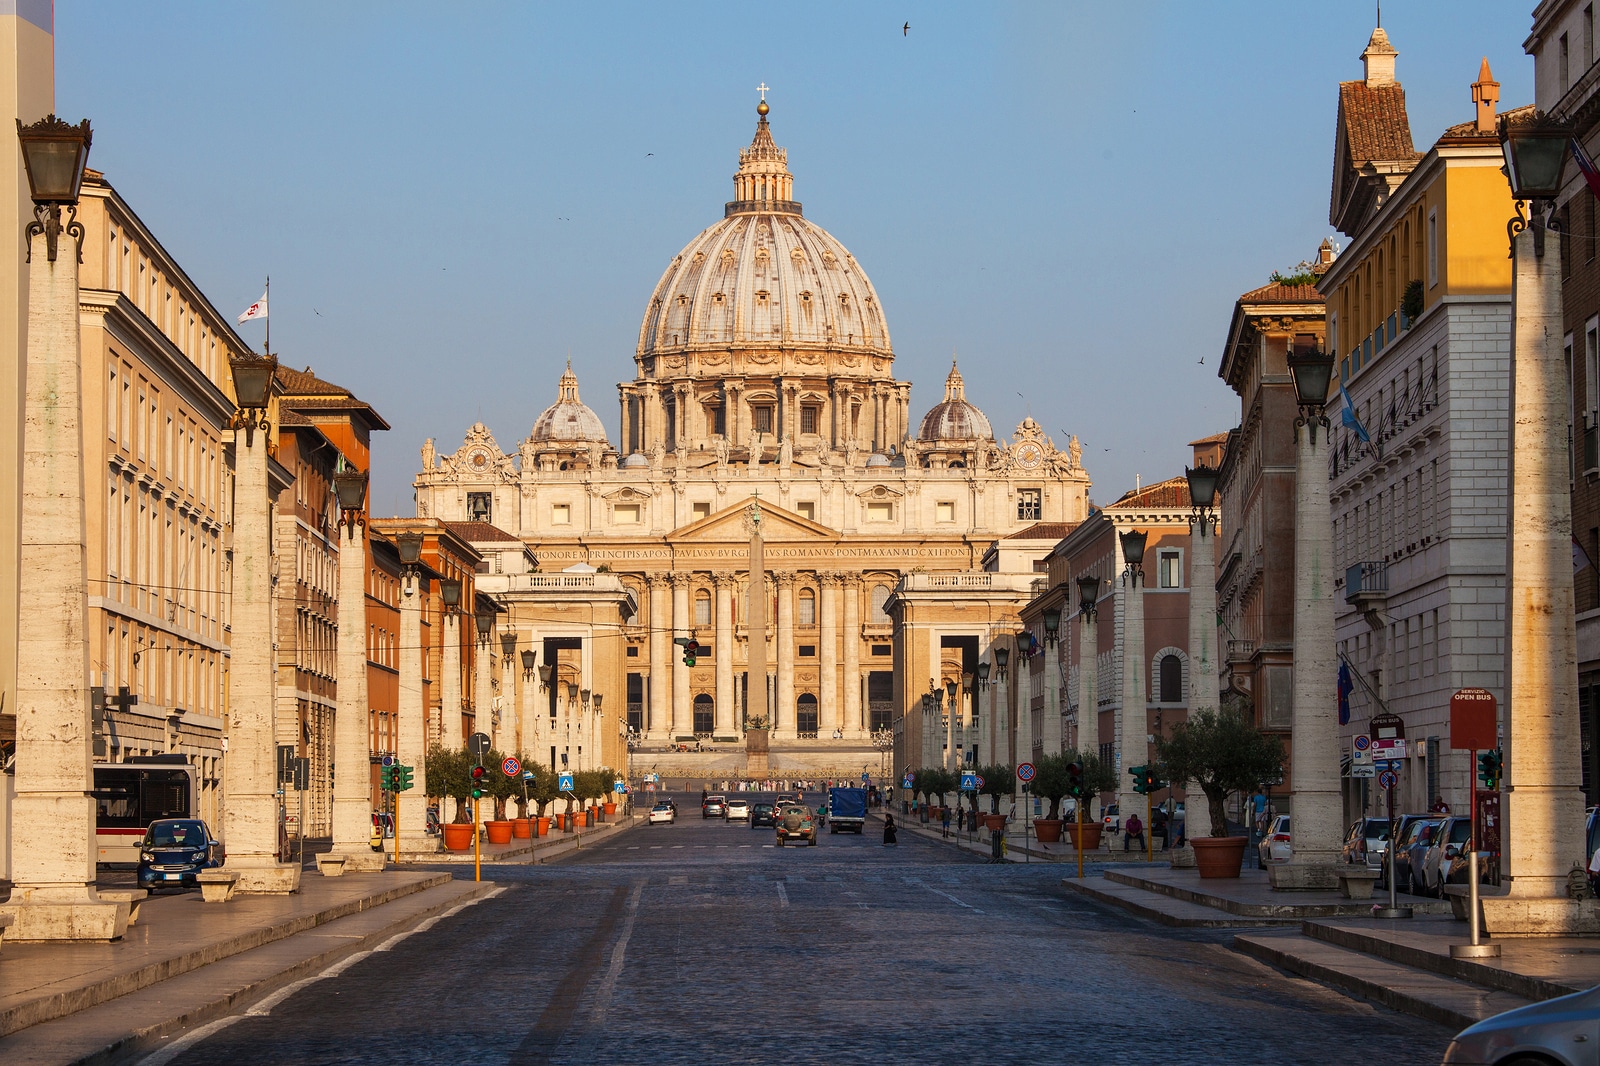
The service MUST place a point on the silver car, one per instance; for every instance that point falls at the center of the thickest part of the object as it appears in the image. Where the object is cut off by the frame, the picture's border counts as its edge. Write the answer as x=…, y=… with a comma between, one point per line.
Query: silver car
x=1275, y=846
x=1564, y=1030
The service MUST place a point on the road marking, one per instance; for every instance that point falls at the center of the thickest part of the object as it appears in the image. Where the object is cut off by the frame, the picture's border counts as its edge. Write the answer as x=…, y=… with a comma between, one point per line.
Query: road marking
x=655, y=847
x=677, y=847
x=681, y=880
x=952, y=899
x=608, y=984
x=747, y=845
x=783, y=894
x=633, y=847
x=186, y=1041
x=795, y=879
x=540, y=1044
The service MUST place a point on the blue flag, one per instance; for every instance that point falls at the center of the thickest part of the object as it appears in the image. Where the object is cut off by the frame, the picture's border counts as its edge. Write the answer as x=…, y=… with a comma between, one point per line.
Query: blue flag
x=1348, y=416
x=1346, y=686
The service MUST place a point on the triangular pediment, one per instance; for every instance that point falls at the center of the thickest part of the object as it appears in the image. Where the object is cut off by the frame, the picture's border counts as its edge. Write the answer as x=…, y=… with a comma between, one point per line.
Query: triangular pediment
x=731, y=523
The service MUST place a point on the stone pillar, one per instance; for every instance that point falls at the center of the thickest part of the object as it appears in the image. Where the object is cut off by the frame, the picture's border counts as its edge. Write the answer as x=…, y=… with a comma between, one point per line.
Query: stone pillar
x=1203, y=692
x=1087, y=736
x=756, y=624
x=352, y=741
x=1024, y=746
x=532, y=735
x=829, y=720
x=1314, y=800
x=856, y=723
x=482, y=698
x=682, y=710
x=412, y=739
x=786, y=727
x=450, y=680
x=728, y=723
x=1544, y=814
x=52, y=816
x=1050, y=719
x=1133, y=730
x=659, y=726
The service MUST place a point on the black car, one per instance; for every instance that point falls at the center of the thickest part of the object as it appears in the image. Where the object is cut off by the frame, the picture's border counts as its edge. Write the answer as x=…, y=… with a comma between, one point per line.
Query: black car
x=762, y=814
x=174, y=851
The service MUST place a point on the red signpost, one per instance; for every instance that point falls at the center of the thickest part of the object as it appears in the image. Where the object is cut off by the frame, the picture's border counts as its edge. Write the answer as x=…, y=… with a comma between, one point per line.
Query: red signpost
x=1474, y=726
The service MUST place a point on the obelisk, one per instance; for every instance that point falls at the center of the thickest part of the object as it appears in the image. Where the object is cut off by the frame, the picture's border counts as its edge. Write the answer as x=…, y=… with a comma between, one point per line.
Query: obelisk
x=756, y=657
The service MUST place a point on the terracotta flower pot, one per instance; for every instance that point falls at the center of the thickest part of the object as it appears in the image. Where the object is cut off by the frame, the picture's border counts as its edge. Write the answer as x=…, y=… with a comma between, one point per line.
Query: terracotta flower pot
x=993, y=821
x=1091, y=835
x=611, y=808
x=1218, y=856
x=499, y=832
x=522, y=828
x=457, y=836
x=1047, y=830
x=541, y=825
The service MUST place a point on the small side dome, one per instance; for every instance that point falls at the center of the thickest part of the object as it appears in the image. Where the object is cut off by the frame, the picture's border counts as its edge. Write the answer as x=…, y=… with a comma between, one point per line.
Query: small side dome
x=955, y=418
x=636, y=461
x=568, y=419
x=877, y=459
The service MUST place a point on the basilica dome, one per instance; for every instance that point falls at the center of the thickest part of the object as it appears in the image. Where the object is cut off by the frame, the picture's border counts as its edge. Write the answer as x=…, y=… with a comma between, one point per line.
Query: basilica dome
x=955, y=418
x=569, y=418
x=764, y=276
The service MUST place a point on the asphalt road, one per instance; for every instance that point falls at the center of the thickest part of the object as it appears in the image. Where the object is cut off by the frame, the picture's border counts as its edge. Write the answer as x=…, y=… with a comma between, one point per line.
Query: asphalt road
x=701, y=943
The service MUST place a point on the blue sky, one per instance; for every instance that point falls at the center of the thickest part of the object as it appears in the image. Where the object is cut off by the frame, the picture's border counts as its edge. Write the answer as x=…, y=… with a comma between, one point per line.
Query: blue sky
x=450, y=197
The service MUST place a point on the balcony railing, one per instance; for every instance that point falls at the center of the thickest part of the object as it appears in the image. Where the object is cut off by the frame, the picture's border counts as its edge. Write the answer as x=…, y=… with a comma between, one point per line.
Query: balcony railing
x=1240, y=651
x=1366, y=581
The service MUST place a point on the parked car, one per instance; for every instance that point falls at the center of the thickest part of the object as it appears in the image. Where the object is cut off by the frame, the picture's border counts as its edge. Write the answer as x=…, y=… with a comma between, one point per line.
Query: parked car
x=1111, y=819
x=1405, y=836
x=737, y=810
x=174, y=851
x=1415, y=839
x=1445, y=862
x=1555, y=1031
x=664, y=811
x=1366, y=842
x=1275, y=845
x=762, y=814
x=797, y=823
x=714, y=806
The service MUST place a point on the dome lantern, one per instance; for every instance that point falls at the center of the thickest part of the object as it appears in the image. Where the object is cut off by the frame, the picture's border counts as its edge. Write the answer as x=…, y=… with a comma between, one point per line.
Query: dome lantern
x=569, y=418
x=763, y=183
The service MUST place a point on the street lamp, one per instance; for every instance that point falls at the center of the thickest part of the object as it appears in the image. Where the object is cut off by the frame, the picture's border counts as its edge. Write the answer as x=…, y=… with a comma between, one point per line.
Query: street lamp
x=450, y=593
x=252, y=389
x=1313, y=371
x=55, y=155
x=1001, y=657
x=529, y=659
x=1052, y=625
x=484, y=617
x=983, y=675
x=1203, y=526
x=1133, y=723
x=351, y=488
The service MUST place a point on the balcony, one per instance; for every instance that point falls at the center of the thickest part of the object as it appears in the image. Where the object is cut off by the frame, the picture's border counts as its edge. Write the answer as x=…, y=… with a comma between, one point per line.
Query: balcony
x=1366, y=585
x=1241, y=651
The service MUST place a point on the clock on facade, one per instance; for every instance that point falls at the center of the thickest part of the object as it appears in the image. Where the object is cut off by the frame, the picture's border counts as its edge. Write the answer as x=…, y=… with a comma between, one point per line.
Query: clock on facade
x=1029, y=455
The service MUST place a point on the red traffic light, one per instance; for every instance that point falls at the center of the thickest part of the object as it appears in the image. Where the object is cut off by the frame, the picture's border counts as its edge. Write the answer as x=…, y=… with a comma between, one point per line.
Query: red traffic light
x=478, y=772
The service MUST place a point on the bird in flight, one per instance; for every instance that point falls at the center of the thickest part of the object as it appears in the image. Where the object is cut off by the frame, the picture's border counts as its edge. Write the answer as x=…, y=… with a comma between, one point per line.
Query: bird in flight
x=905, y=31
x=649, y=153
x=1202, y=360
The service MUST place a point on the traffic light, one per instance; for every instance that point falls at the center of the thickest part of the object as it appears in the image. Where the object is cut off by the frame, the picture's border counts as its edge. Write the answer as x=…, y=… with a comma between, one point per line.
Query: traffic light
x=478, y=782
x=691, y=651
x=1075, y=780
x=1145, y=780
x=1489, y=763
x=386, y=778
x=1138, y=773
x=403, y=782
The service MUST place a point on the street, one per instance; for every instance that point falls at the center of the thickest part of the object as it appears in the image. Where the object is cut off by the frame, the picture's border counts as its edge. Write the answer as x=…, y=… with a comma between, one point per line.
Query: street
x=699, y=942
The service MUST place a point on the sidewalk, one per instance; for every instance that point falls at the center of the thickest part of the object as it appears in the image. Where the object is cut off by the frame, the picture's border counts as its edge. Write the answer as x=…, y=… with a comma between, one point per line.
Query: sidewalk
x=534, y=850
x=1020, y=846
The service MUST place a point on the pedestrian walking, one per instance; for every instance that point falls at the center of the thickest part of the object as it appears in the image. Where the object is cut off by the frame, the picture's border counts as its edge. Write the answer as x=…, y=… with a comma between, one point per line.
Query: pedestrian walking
x=888, y=830
x=1132, y=828
x=944, y=822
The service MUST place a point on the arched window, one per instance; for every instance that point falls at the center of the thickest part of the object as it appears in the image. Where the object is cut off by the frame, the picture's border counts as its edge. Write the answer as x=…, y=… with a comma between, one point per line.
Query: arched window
x=808, y=607
x=805, y=715
x=705, y=715
x=880, y=596
x=702, y=607
x=1171, y=679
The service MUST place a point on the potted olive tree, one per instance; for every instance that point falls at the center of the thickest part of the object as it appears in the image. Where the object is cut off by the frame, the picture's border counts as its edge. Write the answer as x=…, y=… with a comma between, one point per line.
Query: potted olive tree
x=1220, y=752
x=998, y=780
x=1050, y=782
x=1087, y=775
x=448, y=773
x=542, y=791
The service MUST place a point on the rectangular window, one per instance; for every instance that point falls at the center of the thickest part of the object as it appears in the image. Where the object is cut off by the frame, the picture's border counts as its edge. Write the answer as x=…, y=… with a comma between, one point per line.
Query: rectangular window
x=761, y=419
x=808, y=419
x=702, y=609
x=480, y=506
x=1588, y=36
x=701, y=510
x=944, y=511
x=1591, y=364
x=111, y=406
x=808, y=610
x=883, y=651
x=1433, y=247
x=880, y=512
x=1028, y=505
x=808, y=651
x=807, y=509
x=1169, y=571
x=625, y=514
x=1344, y=369
x=561, y=515
x=1564, y=61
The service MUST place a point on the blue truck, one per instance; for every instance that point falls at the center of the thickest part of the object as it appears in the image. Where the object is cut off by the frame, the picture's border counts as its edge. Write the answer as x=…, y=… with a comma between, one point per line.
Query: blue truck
x=847, y=809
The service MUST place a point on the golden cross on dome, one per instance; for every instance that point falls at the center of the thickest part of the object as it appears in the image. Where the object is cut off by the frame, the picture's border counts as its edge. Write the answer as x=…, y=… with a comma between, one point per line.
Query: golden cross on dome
x=763, y=90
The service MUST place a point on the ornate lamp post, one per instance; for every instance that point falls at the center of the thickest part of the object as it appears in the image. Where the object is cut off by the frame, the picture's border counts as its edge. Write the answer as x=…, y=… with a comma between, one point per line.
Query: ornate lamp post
x=411, y=818
x=951, y=722
x=53, y=895
x=1132, y=723
x=1543, y=818
x=1203, y=526
x=1314, y=745
x=1088, y=651
x=352, y=758
x=450, y=663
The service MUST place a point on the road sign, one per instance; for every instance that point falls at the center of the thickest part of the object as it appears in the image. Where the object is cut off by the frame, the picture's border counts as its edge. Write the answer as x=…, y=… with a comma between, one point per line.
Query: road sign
x=908, y=782
x=618, y=786
x=479, y=744
x=387, y=760
x=1363, y=770
x=969, y=781
x=1389, y=748
x=1472, y=720
x=564, y=783
x=1362, y=742
x=1393, y=766
x=1025, y=772
x=978, y=778
x=865, y=778
x=1388, y=779
x=527, y=775
x=511, y=766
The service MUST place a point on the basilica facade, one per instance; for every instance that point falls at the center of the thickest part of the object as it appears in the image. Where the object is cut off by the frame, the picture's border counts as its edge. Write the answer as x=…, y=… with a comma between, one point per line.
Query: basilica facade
x=763, y=378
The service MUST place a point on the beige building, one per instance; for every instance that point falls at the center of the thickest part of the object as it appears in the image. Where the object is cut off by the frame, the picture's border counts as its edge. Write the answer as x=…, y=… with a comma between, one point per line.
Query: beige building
x=763, y=372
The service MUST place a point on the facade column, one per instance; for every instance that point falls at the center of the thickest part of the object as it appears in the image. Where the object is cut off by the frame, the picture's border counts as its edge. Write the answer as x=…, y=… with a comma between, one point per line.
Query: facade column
x=482, y=701
x=829, y=720
x=998, y=728
x=1203, y=690
x=785, y=711
x=411, y=741
x=682, y=710
x=1133, y=745
x=450, y=736
x=352, y=741
x=1050, y=730
x=1544, y=814
x=855, y=720
x=658, y=727
x=1088, y=723
x=1315, y=801
x=52, y=816
x=727, y=723
x=531, y=737
x=1024, y=746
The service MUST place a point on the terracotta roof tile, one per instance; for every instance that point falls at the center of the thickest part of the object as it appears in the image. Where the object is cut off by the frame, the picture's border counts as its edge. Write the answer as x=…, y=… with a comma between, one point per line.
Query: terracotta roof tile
x=1043, y=531
x=1173, y=492
x=481, y=533
x=1283, y=294
x=306, y=383
x=1375, y=122
x=1470, y=129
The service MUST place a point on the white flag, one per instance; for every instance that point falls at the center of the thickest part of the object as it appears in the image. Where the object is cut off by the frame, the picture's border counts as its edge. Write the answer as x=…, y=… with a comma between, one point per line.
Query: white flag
x=255, y=310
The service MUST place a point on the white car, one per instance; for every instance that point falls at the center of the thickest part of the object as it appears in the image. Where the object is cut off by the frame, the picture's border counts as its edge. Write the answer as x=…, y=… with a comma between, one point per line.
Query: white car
x=663, y=812
x=737, y=810
x=1275, y=846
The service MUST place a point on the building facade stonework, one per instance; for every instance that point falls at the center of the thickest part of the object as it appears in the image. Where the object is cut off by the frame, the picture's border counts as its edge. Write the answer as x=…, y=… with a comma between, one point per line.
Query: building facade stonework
x=763, y=375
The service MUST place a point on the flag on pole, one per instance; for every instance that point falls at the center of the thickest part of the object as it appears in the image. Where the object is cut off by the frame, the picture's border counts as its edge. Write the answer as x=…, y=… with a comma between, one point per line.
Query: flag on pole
x=1348, y=416
x=1346, y=686
x=1591, y=173
x=255, y=310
